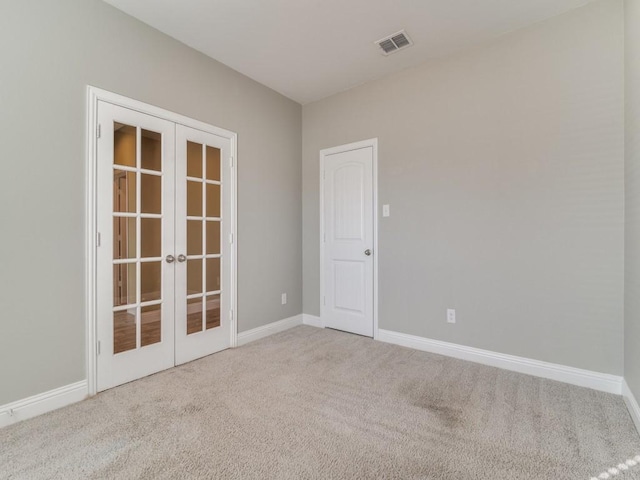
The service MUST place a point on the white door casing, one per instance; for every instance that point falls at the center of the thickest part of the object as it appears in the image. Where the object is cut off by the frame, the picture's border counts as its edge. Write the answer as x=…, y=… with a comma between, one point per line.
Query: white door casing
x=348, y=239
x=100, y=230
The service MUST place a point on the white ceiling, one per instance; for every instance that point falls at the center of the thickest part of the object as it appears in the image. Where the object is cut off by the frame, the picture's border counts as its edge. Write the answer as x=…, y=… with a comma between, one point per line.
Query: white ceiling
x=310, y=49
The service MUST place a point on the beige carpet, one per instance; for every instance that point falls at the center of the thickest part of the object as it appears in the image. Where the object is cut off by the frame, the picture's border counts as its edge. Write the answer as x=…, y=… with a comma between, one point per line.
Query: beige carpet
x=320, y=404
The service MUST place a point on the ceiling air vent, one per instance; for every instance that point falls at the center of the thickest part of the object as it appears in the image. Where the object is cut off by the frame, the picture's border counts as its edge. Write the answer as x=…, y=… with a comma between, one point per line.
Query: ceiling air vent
x=394, y=42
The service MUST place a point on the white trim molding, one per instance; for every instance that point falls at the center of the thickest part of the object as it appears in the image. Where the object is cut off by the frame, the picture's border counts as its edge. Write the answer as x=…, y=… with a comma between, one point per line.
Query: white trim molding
x=42, y=403
x=268, y=329
x=574, y=376
x=632, y=404
x=312, y=320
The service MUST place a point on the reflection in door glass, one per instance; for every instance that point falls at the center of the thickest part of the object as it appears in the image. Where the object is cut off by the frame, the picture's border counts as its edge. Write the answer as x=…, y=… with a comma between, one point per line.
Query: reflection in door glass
x=194, y=160
x=151, y=193
x=150, y=281
x=213, y=274
x=150, y=325
x=194, y=315
x=213, y=237
x=124, y=145
x=213, y=200
x=194, y=276
x=213, y=311
x=194, y=237
x=150, y=237
x=194, y=199
x=124, y=191
x=151, y=151
x=124, y=330
x=124, y=284
x=124, y=238
x=213, y=163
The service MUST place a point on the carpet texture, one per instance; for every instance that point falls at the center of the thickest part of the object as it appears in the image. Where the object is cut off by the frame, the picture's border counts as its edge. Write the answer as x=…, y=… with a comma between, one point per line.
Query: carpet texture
x=320, y=404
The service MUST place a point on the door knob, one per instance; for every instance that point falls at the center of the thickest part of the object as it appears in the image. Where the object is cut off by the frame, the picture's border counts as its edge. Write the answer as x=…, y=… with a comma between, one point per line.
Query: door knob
x=182, y=258
x=170, y=259
x=367, y=252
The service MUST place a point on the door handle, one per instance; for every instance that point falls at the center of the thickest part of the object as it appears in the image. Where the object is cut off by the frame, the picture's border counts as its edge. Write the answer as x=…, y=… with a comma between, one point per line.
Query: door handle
x=170, y=259
x=182, y=258
x=367, y=252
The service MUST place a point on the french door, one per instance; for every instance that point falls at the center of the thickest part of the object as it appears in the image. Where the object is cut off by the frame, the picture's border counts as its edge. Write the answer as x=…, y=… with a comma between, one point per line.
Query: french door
x=163, y=254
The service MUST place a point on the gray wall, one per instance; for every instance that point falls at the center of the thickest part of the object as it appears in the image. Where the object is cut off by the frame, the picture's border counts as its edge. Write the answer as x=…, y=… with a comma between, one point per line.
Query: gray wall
x=50, y=52
x=503, y=167
x=632, y=194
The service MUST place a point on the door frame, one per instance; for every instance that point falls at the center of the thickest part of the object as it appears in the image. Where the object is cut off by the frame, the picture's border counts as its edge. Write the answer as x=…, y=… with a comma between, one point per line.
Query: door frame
x=91, y=235
x=373, y=143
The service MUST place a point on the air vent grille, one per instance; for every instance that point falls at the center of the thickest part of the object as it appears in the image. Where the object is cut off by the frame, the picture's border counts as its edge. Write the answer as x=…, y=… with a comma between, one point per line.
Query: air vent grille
x=393, y=43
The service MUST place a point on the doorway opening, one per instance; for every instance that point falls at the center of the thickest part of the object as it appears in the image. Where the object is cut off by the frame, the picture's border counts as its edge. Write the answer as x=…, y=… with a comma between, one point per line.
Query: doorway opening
x=161, y=240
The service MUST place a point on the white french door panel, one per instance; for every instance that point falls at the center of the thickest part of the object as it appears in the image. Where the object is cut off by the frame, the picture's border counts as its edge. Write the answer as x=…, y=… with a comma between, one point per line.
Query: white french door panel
x=348, y=241
x=135, y=285
x=203, y=229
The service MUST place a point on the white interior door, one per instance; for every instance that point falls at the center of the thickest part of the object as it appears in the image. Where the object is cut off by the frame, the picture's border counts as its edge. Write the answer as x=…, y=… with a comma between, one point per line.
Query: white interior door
x=203, y=241
x=348, y=240
x=164, y=256
x=135, y=191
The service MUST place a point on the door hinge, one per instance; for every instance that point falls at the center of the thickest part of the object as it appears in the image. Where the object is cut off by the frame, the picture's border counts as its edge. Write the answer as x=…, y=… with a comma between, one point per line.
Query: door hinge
x=231, y=238
x=231, y=161
x=324, y=174
x=98, y=239
x=324, y=237
x=231, y=315
x=98, y=347
x=324, y=301
x=99, y=131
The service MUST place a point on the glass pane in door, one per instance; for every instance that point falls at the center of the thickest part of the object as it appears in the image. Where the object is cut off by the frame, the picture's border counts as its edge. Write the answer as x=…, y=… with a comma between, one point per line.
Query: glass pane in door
x=194, y=237
x=124, y=191
x=124, y=331
x=137, y=237
x=124, y=145
x=194, y=315
x=213, y=237
x=213, y=261
x=194, y=160
x=124, y=238
x=213, y=163
x=213, y=311
x=203, y=205
x=151, y=150
x=151, y=322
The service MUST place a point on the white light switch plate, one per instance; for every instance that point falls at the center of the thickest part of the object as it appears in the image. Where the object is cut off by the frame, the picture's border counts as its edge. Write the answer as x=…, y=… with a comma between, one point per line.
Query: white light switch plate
x=385, y=211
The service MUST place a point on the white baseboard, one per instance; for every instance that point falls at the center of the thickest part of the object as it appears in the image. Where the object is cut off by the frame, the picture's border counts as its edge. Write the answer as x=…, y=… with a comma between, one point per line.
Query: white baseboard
x=575, y=376
x=269, y=329
x=42, y=403
x=312, y=320
x=632, y=404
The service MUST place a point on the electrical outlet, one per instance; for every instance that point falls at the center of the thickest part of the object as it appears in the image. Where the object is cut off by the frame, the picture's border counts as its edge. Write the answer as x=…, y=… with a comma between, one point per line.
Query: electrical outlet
x=451, y=315
x=284, y=298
